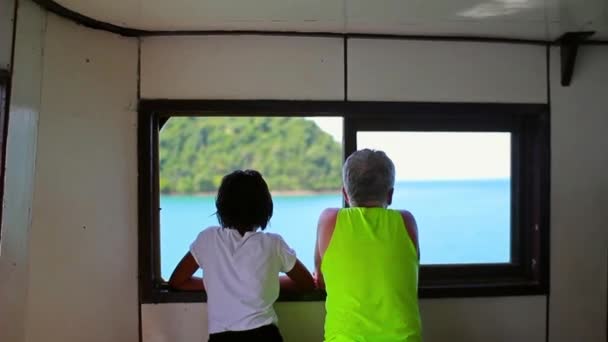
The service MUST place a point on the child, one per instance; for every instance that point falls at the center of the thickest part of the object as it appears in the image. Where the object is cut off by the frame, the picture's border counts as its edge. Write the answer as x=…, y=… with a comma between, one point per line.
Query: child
x=366, y=257
x=241, y=265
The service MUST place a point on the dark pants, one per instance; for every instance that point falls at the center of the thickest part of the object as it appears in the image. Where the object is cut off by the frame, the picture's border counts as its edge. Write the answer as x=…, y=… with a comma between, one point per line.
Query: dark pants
x=267, y=333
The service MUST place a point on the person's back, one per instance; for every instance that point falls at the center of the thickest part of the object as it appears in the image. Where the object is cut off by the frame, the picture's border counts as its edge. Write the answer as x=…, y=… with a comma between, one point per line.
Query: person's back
x=241, y=265
x=241, y=276
x=370, y=270
x=367, y=256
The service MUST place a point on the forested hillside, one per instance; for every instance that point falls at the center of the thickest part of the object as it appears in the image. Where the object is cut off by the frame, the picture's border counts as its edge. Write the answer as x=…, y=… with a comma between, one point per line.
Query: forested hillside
x=291, y=153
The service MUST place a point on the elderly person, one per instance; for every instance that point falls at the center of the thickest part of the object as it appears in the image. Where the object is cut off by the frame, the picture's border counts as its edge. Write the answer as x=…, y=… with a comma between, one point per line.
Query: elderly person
x=367, y=258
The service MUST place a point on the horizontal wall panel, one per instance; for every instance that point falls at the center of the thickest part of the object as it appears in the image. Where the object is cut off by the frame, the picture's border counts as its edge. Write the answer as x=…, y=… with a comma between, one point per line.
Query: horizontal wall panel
x=412, y=70
x=242, y=67
x=497, y=319
x=459, y=319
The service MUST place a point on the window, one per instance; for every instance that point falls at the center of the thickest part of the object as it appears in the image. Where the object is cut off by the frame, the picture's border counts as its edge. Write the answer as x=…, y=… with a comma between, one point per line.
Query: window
x=474, y=175
x=299, y=161
x=459, y=186
x=4, y=79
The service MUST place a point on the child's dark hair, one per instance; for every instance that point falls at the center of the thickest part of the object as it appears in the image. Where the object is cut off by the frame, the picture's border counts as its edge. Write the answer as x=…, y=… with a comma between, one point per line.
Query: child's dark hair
x=243, y=201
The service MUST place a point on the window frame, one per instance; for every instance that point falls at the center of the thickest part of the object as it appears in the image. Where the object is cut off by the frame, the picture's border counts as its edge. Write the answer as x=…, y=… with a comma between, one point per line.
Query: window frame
x=527, y=123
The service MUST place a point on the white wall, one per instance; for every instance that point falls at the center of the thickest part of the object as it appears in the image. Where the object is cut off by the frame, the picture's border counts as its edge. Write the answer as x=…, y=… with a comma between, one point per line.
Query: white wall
x=458, y=319
x=82, y=279
x=7, y=11
x=435, y=71
x=19, y=177
x=268, y=68
x=83, y=242
x=242, y=67
x=579, y=198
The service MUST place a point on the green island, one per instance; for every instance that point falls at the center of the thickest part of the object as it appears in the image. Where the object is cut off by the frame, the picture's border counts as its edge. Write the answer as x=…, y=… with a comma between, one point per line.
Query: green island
x=293, y=154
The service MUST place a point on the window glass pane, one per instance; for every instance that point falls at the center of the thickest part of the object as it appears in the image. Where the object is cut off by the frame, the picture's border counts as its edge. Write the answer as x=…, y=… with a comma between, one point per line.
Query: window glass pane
x=458, y=186
x=300, y=159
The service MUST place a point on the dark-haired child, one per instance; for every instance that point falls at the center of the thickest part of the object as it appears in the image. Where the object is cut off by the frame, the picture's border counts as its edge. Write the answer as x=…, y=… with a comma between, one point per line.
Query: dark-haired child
x=241, y=264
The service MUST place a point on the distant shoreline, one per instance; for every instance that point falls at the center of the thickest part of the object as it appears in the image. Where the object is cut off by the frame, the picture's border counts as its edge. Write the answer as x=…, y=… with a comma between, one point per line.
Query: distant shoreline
x=285, y=193
x=295, y=193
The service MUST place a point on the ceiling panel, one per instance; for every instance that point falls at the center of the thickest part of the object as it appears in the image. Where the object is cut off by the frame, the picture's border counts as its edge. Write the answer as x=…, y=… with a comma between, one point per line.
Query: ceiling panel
x=461, y=10
x=495, y=18
x=314, y=15
x=122, y=13
x=583, y=15
x=533, y=19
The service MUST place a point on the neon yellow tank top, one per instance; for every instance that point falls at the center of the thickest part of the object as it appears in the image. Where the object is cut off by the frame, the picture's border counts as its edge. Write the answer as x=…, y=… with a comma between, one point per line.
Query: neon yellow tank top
x=371, y=277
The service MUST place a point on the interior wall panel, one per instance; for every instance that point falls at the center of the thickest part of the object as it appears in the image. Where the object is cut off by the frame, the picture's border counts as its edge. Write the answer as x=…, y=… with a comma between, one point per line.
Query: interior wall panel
x=7, y=11
x=579, y=199
x=174, y=322
x=461, y=319
x=442, y=71
x=85, y=190
x=83, y=243
x=499, y=319
x=19, y=173
x=242, y=67
x=258, y=67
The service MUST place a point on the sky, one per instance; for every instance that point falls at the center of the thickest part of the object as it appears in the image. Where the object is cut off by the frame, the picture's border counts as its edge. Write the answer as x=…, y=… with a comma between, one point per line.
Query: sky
x=436, y=155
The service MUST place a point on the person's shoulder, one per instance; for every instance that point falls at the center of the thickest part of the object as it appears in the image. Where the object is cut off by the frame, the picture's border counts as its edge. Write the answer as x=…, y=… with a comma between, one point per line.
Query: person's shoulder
x=406, y=214
x=409, y=222
x=270, y=236
x=327, y=220
x=408, y=218
x=212, y=230
x=411, y=227
x=329, y=214
x=204, y=238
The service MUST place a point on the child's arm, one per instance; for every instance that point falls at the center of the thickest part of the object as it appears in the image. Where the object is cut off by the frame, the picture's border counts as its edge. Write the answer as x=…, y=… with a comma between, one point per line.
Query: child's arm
x=182, y=278
x=298, y=279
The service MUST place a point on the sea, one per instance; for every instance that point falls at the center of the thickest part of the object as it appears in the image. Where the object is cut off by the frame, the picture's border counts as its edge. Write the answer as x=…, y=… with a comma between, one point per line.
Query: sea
x=459, y=221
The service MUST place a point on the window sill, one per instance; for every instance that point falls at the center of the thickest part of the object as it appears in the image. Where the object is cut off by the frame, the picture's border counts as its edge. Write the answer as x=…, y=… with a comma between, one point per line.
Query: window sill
x=505, y=288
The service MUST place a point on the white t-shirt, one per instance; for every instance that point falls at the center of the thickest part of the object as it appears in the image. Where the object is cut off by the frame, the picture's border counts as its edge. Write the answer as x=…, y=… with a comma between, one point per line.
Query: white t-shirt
x=241, y=276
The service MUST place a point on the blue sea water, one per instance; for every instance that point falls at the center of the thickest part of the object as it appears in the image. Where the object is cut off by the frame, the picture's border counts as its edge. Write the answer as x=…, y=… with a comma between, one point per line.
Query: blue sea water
x=458, y=221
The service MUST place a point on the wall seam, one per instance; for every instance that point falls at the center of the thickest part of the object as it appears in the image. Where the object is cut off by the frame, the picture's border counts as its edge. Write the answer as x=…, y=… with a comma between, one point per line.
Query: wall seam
x=548, y=242
x=139, y=303
x=139, y=68
x=345, y=69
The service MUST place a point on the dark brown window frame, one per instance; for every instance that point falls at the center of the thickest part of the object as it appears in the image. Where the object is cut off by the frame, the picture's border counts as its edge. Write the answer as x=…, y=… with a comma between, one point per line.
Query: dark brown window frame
x=528, y=272
x=4, y=89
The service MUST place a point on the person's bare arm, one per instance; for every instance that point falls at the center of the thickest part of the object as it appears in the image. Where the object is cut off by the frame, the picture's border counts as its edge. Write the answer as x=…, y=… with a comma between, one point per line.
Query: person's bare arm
x=298, y=279
x=412, y=228
x=182, y=277
x=318, y=275
x=325, y=229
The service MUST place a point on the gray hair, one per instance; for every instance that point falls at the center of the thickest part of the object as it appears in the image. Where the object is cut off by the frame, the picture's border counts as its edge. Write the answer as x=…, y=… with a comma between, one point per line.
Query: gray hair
x=368, y=176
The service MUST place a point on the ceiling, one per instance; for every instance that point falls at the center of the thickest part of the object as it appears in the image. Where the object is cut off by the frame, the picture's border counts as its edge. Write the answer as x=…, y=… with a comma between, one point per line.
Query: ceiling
x=527, y=19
